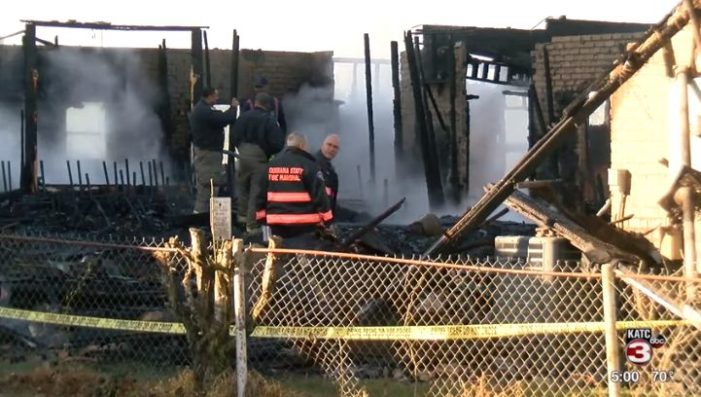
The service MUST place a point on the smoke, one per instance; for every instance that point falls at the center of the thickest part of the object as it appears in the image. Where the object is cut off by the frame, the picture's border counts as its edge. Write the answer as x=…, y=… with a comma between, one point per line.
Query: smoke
x=498, y=139
x=498, y=136
x=314, y=112
x=10, y=153
x=94, y=105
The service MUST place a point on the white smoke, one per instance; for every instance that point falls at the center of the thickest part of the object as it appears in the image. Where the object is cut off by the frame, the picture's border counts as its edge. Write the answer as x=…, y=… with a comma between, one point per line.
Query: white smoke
x=94, y=106
x=10, y=150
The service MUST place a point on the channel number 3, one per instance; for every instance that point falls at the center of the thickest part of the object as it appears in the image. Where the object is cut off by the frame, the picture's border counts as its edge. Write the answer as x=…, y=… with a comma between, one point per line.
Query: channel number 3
x=639, y=351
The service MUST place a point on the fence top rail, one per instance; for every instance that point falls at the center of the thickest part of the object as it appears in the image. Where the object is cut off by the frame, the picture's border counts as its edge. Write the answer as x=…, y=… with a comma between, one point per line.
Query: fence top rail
x=426, y=263
x=455, y=266
x=34, y=239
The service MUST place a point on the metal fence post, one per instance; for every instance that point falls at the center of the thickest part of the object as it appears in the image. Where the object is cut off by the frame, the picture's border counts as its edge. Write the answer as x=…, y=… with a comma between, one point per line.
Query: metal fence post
x=240, y=313
x=612, y=358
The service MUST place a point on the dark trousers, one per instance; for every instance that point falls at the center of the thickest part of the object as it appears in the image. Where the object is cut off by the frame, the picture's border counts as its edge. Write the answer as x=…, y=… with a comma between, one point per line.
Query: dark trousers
x=251, y=169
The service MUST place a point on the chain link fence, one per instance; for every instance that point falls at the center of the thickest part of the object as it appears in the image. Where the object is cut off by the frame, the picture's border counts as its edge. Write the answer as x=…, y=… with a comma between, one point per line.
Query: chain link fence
x=360, y=325
x=511, y=330
x=113, y=278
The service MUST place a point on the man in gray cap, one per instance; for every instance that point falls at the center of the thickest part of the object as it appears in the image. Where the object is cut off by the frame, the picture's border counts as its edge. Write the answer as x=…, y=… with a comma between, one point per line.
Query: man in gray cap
x=260, y=85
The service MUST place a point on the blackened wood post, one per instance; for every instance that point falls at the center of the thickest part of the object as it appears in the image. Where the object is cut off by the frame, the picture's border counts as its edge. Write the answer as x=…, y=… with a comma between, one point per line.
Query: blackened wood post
x=430, y=131
x=231, y=169
x=397, y=108
x=235, y=66
x=550, y=108
x=435, y=193
x=368, y=92
x=196, y=66
x=165, y=110
x=206, y=60
x=536, y=109
x=452, y=75
x=28, y=174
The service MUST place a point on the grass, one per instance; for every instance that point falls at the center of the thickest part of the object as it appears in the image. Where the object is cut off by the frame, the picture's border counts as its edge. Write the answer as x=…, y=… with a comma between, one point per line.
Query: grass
x=80, y=380
x=317, y=386
x=38, y=379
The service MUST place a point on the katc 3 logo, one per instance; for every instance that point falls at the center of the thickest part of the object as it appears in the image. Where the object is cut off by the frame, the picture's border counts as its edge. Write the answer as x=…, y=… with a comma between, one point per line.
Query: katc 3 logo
x=640, y=343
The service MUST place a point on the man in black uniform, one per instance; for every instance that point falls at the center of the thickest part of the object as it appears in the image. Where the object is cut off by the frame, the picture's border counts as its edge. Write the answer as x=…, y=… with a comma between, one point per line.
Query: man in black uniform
x=260, y=85
x=207, y=129
x=257, y=137
x=329, y=149
x=293, y=201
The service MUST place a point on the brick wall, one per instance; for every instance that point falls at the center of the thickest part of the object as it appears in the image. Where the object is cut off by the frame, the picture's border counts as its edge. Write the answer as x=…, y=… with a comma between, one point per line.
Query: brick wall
x=285, y=71
x=575, y=61
x=643, y=118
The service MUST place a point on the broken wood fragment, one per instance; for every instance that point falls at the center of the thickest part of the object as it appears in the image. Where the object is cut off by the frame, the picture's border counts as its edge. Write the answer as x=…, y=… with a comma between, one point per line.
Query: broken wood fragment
x=539, y=212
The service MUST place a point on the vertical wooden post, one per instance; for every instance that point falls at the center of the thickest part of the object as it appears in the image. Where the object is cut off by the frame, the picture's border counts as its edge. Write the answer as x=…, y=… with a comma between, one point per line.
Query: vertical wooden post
x=28, y=174
x=424, y=125
x=208, y=67
x=452, y=75
x=267, y=281
x=368, y=92
x=235, y=65
x=397, y=109
x=164, y=111
x=613, y=360
x=240, y=313
x=550, y=108
x=223, y=286
x=234, y=81
x=196, y=66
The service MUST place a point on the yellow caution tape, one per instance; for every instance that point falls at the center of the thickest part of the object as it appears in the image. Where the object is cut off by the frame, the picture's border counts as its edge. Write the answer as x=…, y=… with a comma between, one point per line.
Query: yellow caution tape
x=416, y=333
x=92, y=322
x=450, y=332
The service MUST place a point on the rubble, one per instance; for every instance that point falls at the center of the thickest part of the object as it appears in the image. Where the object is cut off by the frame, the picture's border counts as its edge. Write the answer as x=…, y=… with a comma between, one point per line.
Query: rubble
x=407, y=240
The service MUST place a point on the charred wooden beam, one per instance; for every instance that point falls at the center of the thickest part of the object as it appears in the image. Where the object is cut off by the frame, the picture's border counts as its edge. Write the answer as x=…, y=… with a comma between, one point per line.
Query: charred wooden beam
x=581, y=108
x=430, y=136
x=452, y=91
x=539, y=212
x=372, y=224
x=28, y=177
x=368, y=92
x=234, y=89
x=538, y=184
x=109, y=26
x=208, y=67
x=235, y=52
x=537, y=111
x=164, y=110
x=46, y=42
x=433, y=185
x=196, y=66
x=397, y=106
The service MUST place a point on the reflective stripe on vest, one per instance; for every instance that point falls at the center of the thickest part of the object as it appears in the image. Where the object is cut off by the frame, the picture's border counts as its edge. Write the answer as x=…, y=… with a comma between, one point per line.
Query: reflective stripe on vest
x=260, y=215
x=330, y=192
x=291, y=219
x=289, y=197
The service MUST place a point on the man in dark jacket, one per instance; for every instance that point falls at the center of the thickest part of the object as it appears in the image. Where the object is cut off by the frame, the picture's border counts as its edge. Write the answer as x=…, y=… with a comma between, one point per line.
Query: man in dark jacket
x=257, y=137
x=329, y=149
x=293, y=201
x=260, y=85
x=207, y=129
